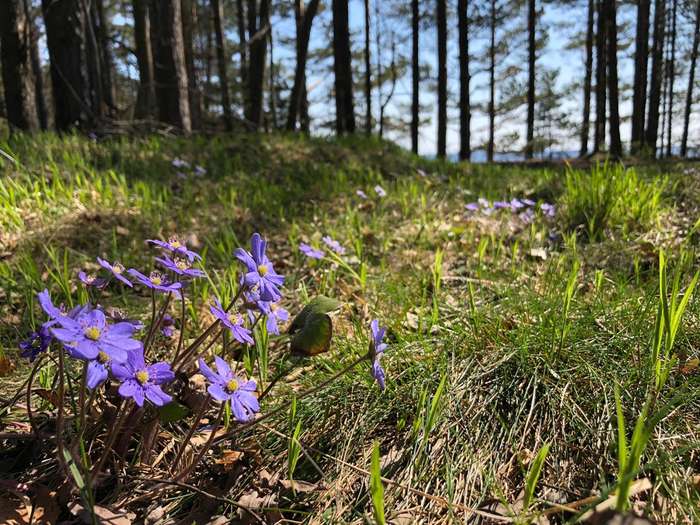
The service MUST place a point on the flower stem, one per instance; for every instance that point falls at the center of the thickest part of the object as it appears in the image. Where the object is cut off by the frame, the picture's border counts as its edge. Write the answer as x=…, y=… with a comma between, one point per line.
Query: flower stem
x=182, y=475
x=122, y=415
x=155, y=322
x=190, y=432
x=181, y=339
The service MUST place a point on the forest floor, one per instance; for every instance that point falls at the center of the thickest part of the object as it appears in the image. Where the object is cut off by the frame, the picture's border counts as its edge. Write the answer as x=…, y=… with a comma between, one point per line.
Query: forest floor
x=508, y=331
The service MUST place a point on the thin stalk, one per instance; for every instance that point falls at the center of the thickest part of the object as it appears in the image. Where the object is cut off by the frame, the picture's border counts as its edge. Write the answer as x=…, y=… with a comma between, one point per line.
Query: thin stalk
x=182, y=326
x=122, y=414
x=183, y=474
x=190, y=432
x=158, y=321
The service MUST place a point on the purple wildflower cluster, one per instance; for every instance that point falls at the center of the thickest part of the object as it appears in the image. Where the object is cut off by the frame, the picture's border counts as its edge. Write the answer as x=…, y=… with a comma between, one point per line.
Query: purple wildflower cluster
x=185, y=169
x=318, y=253
x=524, y=208
x=378, y=190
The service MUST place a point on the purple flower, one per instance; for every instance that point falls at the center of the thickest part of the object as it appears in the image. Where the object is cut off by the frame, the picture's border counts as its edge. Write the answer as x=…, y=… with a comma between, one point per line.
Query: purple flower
x=157, y=281
x=97, y=371
x=498, y=205
x=91, y=280
x=528, y=202
x=167, y=325
x=117, y=270
x=47, y=305
x=36, y=343
x=380, y=191
x=361, y=194
x=143, y=382
x=484, y=203
x=548, y=209
x=527, y=216
x=310, y=251
x=516, y=204
x=333, y=245
x=224, y=386
x=199, y=171
x=89, y=335
x=376, y=350
x=177, y=247
x=260, y=273
x=232, y=321
x=472, y=206
x=180, y=266
x=274, y=314
x=179, y=163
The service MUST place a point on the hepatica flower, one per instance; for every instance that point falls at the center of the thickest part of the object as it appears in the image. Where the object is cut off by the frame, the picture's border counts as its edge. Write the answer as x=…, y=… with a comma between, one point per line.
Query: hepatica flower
x=376, y=350
x=225, y=386
x=179, y=163
x=156, y=281
x=261, y=275
x=116, y=269
x=275, y=315
x=167, y=325
x=361, y=194
x=97, y=372
x=232, y=321
x=310, y=251
x=549, y=210
x=380, y=191
x=177, y=247
x=140, y=381
x=89, y=335
x=179, y=265
x=36, y=343
x=333, y=245
x=472, y=206
x=91, y=280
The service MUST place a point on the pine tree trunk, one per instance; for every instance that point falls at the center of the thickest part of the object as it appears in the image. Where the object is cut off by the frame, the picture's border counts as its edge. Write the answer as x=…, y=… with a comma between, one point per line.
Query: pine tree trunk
x=243, y=45
x=652, y=129
x=170, y=67
x=208, y=59
x=189, y=24
x=17, y=72
x=671, y=77
x=465, y=114
x=532, y=43
x=415, y=75
x=442, y=78
x=297, y=99
x=613, y=95
x=641, y=57
x=146, y=97
x=691, y=81
x=601, y=81
x=65, y=36
x=39, y=95
x=273, y=83
x=587, y=82
x=345, y=112
x=492, y=85
x=368, y=73
x=221, y=62
x=258, y=26
x=104, y=42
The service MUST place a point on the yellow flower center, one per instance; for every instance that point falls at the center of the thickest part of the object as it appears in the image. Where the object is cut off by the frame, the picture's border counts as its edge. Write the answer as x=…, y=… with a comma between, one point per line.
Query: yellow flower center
x=102, y=358
x=156, y=278
x=182, y=264
x=118, y=268
x=174, y=243
x=142, y=377
x=93, y=333
x=90, y=278
x=232, y=385
x=234, y=318
x=262, y=270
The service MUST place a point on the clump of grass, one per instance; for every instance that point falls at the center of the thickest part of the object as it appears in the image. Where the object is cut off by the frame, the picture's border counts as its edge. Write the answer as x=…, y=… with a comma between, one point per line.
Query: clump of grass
x=610, y=196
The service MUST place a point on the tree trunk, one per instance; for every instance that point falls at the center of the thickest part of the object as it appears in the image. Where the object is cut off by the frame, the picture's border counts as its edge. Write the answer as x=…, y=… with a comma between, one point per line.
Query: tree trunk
x=613, y=98
x=243, y=45
x=587, y=87
x=532, y=43
x=146, y=97
x=258, y=26
x=221, y=62
x=641, y=58
x=170, y=67
x=345, y=112
x=601, y=82
x=297, y=99
x=272, y=80
x=492, y=85
x=691, y=81
x=442, y=78
x=465, y=113
x=415, y=75
x=189, y=24
x=671, y=77
x=17, y=72
x=651, y=133
x=368, y=73
x=65, y=30
x=104, y=42
x=39, y=95
x=208, y=53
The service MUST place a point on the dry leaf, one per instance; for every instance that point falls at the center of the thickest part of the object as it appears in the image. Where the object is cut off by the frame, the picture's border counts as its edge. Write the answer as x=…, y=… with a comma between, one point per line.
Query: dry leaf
x=6, y=366
x=104, y=515
x=690, y=366
x=229, y=459
x=20, y=509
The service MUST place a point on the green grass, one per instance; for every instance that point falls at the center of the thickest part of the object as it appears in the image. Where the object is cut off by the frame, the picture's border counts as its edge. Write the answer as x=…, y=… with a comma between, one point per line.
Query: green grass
x=505, y=338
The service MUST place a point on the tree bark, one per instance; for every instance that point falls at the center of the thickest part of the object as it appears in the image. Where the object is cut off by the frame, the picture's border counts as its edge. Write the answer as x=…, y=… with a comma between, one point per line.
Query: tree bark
x=170, y=67
x=492, y=85
x=442, y=78
x=39, y=95
x=671, y=77
x=297, y=99
x=641, y=58
x=146, y=97
x=601, y=81
x=587, y=82
x=221, y=62
x=691, y=81
x=243, y=45
x=345, y=112
x=104, y=43
x=258, y=26
x=613, y=95
x=415, y=75
x=17, y=72
x=65, y=30
x=532, y=43
x=189, y=25
x=651, y=132
x=465, y=113
x=368, y=73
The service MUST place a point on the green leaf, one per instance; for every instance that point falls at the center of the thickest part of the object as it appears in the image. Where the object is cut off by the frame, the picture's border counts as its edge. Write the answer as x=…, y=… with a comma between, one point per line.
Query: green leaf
x=173, y=412
x=74, y=470
x=376, y=488
x=314, y=337
x=318, y=305
x=533, y=475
